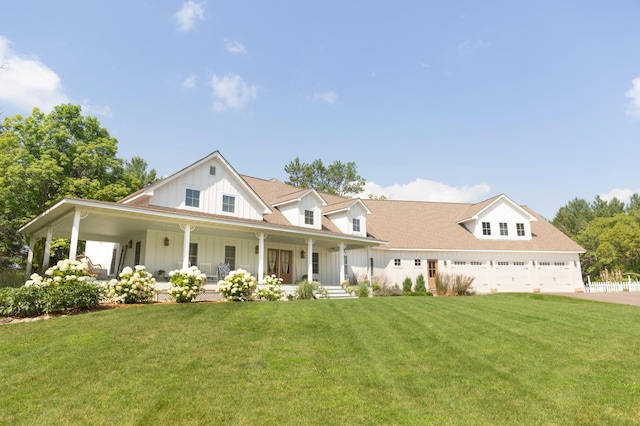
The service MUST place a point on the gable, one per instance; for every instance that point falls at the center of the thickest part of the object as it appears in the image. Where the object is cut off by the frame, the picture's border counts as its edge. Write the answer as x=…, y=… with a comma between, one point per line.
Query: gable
x=209, y=186
x=501, y=218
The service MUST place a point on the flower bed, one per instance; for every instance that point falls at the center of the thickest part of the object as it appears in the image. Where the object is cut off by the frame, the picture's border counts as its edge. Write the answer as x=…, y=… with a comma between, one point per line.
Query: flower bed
x=186, y=284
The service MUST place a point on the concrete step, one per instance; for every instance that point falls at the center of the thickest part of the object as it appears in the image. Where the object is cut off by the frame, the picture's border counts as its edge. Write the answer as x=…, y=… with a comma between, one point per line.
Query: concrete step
x=335, y=292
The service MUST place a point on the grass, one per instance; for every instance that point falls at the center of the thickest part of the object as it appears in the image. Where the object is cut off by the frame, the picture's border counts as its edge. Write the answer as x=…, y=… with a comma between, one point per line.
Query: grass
x=499, y=359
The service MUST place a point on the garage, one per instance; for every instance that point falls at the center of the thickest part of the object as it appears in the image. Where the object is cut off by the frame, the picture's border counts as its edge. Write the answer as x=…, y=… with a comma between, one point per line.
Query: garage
x=512, y=277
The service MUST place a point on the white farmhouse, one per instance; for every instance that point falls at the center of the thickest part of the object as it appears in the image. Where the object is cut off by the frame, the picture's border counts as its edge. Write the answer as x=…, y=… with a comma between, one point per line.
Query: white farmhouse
x=209, y=215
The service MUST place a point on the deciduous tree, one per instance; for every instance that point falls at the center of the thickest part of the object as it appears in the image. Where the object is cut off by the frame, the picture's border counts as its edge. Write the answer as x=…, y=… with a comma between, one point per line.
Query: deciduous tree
x=337, y=178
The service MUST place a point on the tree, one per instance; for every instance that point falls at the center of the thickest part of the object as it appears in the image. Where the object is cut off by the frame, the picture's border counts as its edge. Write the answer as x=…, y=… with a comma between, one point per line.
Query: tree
x=45, y=157
x=603, y=208
x=612, y=243
x=634, y=203
x=137, y=167
x=573, y=217
x=338, y=178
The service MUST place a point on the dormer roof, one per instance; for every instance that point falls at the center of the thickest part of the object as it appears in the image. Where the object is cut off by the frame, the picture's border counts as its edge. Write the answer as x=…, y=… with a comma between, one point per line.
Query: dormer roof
x=473, y=212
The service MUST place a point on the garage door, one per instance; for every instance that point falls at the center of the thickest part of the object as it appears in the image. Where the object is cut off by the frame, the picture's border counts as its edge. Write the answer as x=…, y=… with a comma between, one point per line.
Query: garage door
x=512, y=277
x=554, y=277
x=475, y=269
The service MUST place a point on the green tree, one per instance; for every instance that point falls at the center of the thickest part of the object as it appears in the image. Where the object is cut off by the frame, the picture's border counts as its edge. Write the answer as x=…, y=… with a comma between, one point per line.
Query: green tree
x=603, y=208
x=44, y=157
x=137, y=167
x=573, y=217
x=612, y=243
x=337, y=178
x=634, y=203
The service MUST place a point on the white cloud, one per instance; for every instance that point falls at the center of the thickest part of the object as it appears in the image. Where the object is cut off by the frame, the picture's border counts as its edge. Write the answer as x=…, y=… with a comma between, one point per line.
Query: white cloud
x=25, y=82
x=234, y=47
x=634, y=95
x=424, y=65
x=101, y=110
x=187, y=16
x=621, y=194
x=471, y=46
x=231, y=92
x=329, y=97
x=427, y=190
x=189, y=82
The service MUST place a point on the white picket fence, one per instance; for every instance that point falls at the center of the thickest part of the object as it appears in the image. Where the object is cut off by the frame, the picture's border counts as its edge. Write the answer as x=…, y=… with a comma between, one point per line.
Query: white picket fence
x=611, y=287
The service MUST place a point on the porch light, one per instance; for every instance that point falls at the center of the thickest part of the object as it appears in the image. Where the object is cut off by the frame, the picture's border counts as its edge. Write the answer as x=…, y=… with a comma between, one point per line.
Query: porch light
x=257, y=249
x=301, y=254
x=130, y=244
x=166, y=241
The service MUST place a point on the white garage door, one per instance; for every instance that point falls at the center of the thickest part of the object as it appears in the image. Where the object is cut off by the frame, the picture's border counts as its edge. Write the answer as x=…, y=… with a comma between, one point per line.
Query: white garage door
x=477, y=270
x=512, y=277
x=554, y=277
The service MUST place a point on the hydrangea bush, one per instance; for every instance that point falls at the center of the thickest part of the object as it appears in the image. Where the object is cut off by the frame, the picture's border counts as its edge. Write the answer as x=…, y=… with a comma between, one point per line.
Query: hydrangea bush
x=238, y=286
x=186, y=284
x=134, y=286
x=65, y=286
x=270, y=290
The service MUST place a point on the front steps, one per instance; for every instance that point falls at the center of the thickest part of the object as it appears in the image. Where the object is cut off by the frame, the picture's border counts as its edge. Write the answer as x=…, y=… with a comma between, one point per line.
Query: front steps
x=335, y=292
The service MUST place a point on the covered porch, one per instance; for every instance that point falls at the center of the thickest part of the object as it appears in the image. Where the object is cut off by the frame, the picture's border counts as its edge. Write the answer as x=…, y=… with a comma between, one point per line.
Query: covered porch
x=165, y=239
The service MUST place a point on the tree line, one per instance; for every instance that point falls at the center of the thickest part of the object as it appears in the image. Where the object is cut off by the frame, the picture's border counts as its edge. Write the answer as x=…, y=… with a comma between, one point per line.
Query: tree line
x=609, y=231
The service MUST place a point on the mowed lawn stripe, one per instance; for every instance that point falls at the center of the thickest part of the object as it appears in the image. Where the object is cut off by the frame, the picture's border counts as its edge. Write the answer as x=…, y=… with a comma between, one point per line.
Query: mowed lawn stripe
x=503, y=359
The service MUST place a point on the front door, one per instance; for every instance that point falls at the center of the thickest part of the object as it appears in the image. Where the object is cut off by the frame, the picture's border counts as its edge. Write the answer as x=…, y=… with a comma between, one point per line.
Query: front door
x=432, y=271
x=279, y=264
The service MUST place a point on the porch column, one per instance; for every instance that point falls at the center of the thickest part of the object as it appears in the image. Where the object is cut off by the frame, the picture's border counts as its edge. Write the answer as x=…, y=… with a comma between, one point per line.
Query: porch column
x=32, y=244
x=309, y=259
x=261, y=236
x=75, y=230
x=47, y=249
x=369, y=265
x=185, y=248
x=341, y=246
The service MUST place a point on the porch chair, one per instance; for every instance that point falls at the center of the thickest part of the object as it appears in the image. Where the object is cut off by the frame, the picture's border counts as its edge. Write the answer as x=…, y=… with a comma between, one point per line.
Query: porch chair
x=205, y=268
x=223, y=270
x=95, y=269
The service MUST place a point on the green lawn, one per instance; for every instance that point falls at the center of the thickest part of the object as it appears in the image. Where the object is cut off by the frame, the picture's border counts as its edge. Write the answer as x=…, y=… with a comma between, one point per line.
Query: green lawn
x=499, y=359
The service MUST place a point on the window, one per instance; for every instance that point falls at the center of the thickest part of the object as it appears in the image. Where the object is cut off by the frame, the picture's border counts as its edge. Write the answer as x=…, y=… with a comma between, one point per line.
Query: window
x=356, y=225
x=518, y=263
x=346, y=265
x=459, y=262
x=417, y=262
x=230, y=256
x=503, y=263
x=504, y=229
x=559, y=263
x=396, y=262
x=476, y=263
x=486, y=228
x=544, y=263
x=136, y=257
x=315, y=263
x=192, y=198
x=432, y=267
x=212, y=170
x=520, y=229
x=308, y=217
x=193, y=254
x=229, y=204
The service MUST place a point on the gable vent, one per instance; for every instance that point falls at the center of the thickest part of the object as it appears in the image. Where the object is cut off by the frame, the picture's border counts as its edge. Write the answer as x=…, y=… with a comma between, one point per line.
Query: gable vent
x=212, y=170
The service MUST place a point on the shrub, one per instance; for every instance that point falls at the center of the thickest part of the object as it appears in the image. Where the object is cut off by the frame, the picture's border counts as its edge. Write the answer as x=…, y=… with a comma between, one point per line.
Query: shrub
x=407, y=285
x=186, y=284
x=388, y=291
x=306, y=289
x=65, y=286
x=420, y=286
x=11, y=277
x=363, y=289
x=270, y=290
x=453, y=285
x=134, y=286
x=238, y=286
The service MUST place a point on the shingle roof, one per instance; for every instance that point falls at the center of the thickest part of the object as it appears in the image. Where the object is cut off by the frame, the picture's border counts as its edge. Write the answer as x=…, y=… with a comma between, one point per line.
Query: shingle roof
x=431, y=225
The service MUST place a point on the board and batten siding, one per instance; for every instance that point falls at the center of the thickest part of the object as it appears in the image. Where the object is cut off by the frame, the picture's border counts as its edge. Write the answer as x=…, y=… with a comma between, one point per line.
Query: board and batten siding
x=212, y=188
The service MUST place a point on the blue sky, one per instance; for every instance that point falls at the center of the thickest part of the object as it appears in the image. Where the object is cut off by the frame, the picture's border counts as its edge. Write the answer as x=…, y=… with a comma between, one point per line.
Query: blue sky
x=444, y=101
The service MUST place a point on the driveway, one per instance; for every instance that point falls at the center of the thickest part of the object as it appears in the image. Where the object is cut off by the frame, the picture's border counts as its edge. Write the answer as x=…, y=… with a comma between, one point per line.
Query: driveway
x=622, y=297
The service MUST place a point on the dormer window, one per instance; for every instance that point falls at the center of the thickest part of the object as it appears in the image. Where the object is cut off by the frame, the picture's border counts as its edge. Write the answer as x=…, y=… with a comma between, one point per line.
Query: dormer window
x=356, y=225
x=520, y=229
x=192, y=198
x=228, y=203
x=308, y=217
x=504, y=229
x=486, y=228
